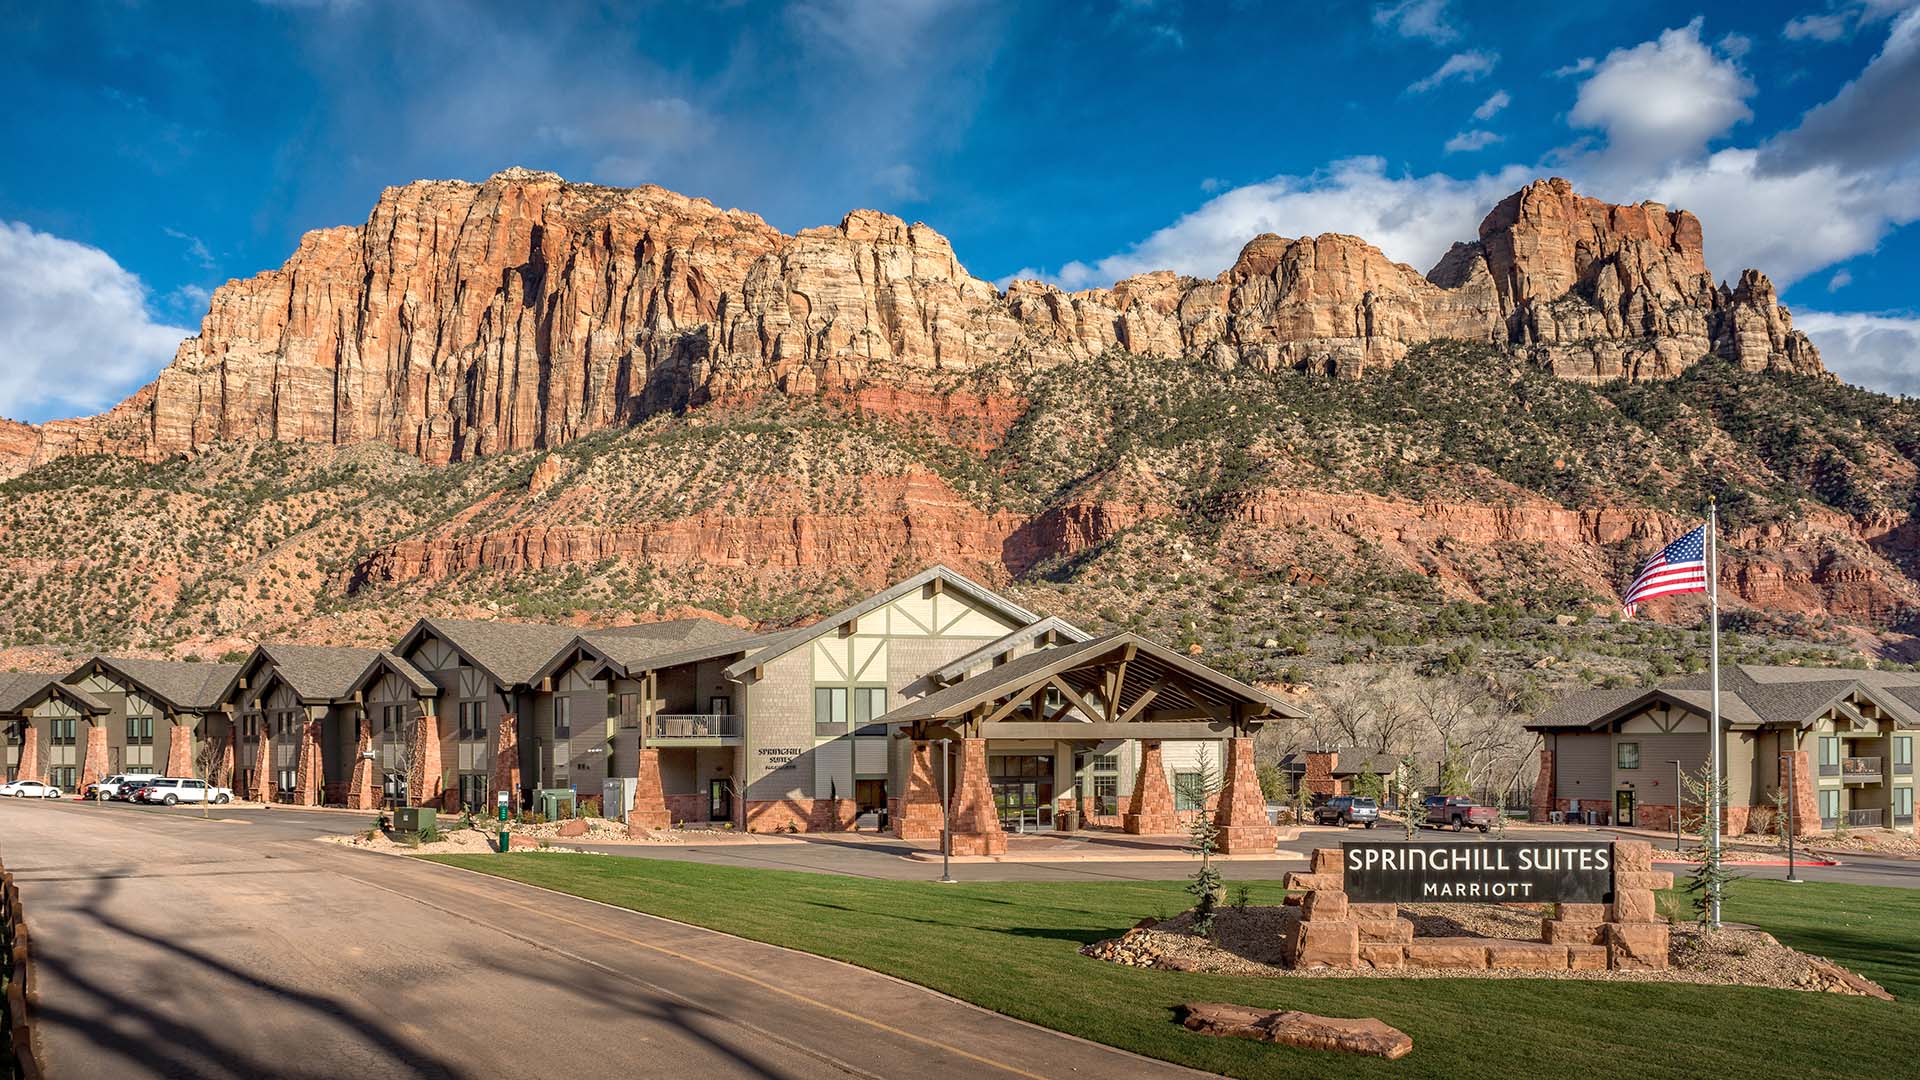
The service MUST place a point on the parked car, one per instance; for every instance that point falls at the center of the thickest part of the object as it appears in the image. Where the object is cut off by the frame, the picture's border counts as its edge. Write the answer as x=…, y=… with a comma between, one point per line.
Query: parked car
x=118, y=786
x=1459, y=812
x=30, y=789
x=1344, y=810
x=172, y=790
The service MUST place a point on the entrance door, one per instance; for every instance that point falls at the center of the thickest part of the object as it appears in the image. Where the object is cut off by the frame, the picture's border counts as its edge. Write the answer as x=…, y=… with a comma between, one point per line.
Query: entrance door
x=1022, y=790
x=719, y=801
x=1623, y=808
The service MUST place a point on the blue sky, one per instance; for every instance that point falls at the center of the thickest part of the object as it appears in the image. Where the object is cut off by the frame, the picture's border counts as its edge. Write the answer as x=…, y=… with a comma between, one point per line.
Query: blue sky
x=163, y=148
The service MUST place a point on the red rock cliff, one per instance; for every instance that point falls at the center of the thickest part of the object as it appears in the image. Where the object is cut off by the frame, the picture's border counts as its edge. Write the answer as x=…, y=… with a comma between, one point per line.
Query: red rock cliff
x=464, y=319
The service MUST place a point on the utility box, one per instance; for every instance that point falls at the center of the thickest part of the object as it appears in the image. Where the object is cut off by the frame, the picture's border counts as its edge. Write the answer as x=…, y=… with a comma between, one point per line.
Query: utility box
x=616, y=797
x=555, y=803
x=411, y=820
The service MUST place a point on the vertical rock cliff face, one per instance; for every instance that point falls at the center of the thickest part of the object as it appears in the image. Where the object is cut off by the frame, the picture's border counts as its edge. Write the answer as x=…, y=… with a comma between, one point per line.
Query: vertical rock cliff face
x=466, y=319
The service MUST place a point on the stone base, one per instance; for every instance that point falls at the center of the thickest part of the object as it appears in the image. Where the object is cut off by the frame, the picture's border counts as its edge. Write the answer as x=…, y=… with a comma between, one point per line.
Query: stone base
x=992, y=843
x=798, y=815
x=1152, y=824
x=1248, y=840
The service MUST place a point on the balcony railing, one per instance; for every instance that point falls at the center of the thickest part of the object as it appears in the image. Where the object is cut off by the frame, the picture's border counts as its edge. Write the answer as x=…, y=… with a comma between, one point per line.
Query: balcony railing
x=1865, y=819
x=694, y=726
x=1860, y=768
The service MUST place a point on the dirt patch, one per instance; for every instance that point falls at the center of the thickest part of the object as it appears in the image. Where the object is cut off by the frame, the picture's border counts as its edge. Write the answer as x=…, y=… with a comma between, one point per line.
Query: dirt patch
x=1861, y=841
x=454, y=841
x=1247, y=941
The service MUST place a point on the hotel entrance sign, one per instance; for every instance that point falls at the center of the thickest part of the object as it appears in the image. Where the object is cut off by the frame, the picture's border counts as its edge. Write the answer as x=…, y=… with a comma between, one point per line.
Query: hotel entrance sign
x=1478, y=872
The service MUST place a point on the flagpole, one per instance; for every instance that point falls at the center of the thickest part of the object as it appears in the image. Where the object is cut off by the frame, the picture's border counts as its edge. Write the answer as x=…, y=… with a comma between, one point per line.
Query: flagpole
x=1713, y=665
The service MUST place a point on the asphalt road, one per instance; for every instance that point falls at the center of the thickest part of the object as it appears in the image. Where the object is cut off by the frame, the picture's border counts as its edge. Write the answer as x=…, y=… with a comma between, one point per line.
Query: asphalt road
x=236, y=945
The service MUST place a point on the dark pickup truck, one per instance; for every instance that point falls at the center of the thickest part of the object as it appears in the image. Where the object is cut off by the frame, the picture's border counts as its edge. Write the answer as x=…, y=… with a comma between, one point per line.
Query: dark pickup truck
x=1459, y=812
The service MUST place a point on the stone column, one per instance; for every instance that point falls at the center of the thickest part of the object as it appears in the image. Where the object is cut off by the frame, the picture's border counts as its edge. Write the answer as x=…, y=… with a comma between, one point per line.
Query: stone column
x=30, y=753
x=649, y=809
x=363, y=787
x=1802, y=808
x=262, y=788
x=506, y=761
x=423, y=761
x=1541, y=810
x=919, y=814
x=309, y=765
x=1150, y=809
x=180, y=748
x=220, y=773
x=975, y=822
x=93, y=767
x=1242, y=816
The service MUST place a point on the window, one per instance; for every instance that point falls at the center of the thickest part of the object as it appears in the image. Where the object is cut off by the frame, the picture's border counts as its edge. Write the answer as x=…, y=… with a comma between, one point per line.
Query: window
x=473, y=719
x=392, y=719
x=1829, y=805
x=64, y=776
x=1188, y=791
x=474, y=790
x=629, y=710
x=562, y=717
x=64, y=733
x=1903, y=755
x=719, y=706
x=829, y=710
x=869, y=704
x=286, y=780
x=139, y=731
x=1105, y=778
x=1903, y=806
x=1627, y=755
x=1829, y=753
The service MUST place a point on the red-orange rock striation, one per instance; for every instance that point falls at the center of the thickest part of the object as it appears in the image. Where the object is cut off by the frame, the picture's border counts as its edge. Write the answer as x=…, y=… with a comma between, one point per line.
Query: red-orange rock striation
x=464, y=319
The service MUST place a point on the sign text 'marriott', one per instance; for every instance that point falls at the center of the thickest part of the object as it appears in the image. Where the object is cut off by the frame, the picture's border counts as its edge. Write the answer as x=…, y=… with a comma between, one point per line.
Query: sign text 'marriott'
x=1496, y=871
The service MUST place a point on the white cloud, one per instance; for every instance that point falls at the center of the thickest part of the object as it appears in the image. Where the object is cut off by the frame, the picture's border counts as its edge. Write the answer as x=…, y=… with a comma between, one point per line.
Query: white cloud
x=1840, y=280
x=1414, y=219
x=1488, y=108
x=1417, y=19
x=1468, y=141
x=1826, y=28
x=1662, y=99
x=1212, y=184
x=1468, y=66
x=901, y=181
x=1874, y=351
x=75, y=335
x=1868, y=123
x=871, y=35
x=196, y=247
x=1735, y=46
x=1578, y=67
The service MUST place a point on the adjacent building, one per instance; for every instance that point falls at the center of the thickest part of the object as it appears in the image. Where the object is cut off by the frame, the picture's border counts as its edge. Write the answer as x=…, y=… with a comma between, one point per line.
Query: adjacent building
x=159, y=712
x=1834, y=745
x=1333, y=771
x=291, y=724
x=51, y=729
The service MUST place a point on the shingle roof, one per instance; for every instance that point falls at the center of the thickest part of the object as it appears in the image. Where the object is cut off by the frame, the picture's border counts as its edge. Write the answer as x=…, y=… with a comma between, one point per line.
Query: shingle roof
x=1149, y=658
x=317, y=672
x=788, y=640
x=1347, y=760
x=187, y=685
x=397, y=664
x=651, y=654
x=20, y=690
x=1750, y=695
x=1051, y=624
x=509, y=651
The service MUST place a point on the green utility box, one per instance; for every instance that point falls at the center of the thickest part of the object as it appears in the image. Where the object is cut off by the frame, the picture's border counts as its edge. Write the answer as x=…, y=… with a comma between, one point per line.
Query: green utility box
x=555, y=803
x=411, y=820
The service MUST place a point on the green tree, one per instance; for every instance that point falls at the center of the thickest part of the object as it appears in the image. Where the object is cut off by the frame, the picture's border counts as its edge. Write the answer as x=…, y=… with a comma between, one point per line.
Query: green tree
x=1453, y=772
x=1273, y=782
x=1203, y=837
x=1368, y=785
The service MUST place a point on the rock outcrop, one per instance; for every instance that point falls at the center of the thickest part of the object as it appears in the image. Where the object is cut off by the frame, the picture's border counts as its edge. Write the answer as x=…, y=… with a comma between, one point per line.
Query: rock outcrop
x=466, y=319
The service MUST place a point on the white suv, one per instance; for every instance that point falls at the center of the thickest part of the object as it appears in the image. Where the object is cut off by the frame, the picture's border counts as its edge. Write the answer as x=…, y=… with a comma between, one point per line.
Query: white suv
x=171, y=790
x=119, y=785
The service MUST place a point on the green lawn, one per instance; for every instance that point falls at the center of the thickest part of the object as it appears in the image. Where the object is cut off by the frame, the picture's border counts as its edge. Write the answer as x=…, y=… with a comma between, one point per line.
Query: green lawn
x=1011, y=947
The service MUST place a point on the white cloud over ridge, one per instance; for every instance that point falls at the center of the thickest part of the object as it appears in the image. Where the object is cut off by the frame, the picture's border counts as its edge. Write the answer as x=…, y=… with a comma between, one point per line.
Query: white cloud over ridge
x=75, y=334
x=1875, y=351
x=1663, y=99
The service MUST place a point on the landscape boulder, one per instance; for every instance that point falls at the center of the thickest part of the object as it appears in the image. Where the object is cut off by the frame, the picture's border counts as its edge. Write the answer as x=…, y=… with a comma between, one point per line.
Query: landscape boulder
x=1291, y=1028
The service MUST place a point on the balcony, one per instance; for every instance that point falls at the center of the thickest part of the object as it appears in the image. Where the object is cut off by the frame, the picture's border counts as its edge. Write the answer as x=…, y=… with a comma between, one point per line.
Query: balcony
x=693, y=729
x=1865, y=819
x=1859, y=770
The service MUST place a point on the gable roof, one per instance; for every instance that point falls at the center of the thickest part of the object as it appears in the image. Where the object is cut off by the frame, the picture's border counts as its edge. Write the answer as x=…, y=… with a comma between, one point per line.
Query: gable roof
x=786, y=641
x=317, y=673
x=651, y=645
x=509, y=652
x=394, y=662
x=1751, y=695
x=23, y=690
x=1149, y=658
x=1347, y=761
x=1052, y=624
x=186, y=685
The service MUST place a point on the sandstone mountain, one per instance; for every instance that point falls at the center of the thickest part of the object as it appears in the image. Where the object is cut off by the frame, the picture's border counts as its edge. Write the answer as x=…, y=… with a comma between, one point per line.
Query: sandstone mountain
x=554, y=401
x=524, y=312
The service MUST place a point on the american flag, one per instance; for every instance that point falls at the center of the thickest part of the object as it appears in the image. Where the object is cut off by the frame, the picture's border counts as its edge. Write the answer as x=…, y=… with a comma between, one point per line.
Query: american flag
x=1681, y=567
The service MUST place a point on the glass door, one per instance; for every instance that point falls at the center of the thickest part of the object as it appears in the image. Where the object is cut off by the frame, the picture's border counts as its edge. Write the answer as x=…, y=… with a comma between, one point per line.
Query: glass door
x=1022, y=791
x=1623, y=808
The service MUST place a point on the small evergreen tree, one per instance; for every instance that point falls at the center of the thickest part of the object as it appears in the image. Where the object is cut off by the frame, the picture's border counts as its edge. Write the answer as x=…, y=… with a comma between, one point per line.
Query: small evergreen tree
x=1368, y=785
x=1409, y=796
x=1453, y=772
x=1203, y=838
x=1707, y=885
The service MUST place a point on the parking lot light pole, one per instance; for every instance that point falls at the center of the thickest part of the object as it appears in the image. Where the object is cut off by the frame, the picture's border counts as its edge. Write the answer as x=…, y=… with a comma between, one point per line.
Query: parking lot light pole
x=946, y=821
x=1679, y=801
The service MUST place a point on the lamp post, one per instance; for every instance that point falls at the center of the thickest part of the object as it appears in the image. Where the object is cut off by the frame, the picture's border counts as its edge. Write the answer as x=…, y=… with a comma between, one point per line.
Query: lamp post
x=1679, y=790
x=1792, y=789
x=946, y=823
